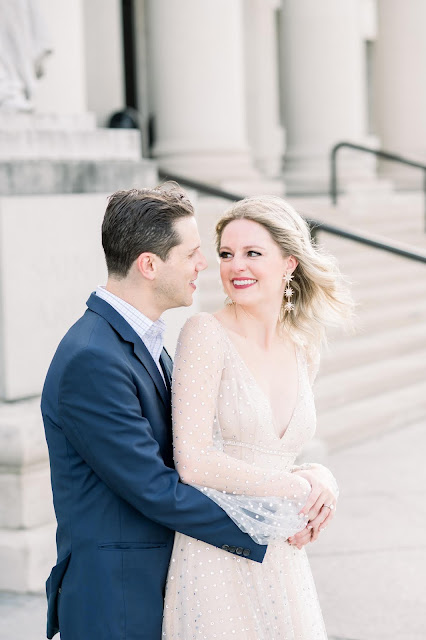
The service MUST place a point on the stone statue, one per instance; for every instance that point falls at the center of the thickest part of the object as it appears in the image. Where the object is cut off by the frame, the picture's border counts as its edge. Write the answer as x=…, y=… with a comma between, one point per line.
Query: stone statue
x=24, y=44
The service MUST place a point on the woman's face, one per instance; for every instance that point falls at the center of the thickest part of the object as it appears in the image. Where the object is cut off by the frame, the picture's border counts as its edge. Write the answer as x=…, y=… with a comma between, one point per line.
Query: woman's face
x=252, y=265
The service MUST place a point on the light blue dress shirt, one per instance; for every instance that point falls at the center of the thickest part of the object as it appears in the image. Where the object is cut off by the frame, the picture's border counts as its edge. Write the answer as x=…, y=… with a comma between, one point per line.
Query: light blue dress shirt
x=151, y=333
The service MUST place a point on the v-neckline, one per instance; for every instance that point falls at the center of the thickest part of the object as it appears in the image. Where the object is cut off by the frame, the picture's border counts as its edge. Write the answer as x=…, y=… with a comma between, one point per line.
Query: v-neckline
x=260, y=389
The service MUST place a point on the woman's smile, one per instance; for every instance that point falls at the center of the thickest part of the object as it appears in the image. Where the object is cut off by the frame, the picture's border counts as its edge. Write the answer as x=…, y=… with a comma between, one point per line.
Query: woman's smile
x=243, y=283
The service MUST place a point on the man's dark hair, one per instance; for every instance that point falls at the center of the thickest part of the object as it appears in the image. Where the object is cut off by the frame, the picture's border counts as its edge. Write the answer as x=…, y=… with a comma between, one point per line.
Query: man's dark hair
x=142, y=220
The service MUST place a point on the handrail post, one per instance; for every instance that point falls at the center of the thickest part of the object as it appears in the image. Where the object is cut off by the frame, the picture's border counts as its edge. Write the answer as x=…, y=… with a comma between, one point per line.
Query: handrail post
x=313, y=230
x=333, y=174
x=424, y=193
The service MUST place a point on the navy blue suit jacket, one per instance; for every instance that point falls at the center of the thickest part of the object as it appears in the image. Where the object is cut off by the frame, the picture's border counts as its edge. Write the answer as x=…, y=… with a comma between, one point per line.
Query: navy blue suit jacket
x=117, y=497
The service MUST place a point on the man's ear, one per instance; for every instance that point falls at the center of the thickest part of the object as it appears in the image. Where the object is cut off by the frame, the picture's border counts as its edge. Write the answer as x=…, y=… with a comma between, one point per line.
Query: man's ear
x=147, y=265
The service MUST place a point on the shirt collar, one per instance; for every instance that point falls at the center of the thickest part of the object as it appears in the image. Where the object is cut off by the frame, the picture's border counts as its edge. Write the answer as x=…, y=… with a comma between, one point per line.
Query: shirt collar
x=146, y=326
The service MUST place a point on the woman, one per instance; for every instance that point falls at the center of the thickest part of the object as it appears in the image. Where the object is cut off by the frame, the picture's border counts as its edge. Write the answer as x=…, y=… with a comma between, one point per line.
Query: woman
x=242, y=411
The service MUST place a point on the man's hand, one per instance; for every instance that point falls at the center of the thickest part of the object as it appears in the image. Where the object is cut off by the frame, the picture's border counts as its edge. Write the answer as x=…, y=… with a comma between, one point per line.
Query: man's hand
x=300, y=539
x=312, y=530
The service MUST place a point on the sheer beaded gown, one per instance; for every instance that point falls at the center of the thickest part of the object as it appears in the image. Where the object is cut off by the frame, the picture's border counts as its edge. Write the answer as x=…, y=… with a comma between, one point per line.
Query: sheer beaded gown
x=228, y=443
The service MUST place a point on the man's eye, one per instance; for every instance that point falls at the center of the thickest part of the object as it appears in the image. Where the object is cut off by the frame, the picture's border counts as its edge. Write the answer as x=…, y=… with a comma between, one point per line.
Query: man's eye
x=224, y=255
x=253, y=254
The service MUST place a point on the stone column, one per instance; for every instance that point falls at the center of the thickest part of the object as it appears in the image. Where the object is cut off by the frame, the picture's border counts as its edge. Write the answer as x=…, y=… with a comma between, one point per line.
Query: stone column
x=323, y=84
x=401, y=85
x=103, y=43
x=197, y=86
x=266, y=135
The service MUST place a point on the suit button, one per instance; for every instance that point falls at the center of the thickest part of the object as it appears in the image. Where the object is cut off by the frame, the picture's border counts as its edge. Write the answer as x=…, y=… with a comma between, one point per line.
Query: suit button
x=239, y=551
x=225, y=547
x=232, y=549
x=246, y=553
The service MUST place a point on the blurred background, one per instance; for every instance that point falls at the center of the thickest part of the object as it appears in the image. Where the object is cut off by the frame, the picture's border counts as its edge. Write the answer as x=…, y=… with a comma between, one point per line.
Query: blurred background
x=231, y=98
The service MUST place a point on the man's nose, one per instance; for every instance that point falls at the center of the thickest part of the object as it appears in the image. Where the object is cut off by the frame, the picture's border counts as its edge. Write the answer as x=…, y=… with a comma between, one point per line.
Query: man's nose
x=202, y=262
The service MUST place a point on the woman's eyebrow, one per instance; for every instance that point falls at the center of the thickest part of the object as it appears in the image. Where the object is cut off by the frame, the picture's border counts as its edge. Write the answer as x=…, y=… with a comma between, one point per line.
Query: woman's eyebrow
x=249, y=246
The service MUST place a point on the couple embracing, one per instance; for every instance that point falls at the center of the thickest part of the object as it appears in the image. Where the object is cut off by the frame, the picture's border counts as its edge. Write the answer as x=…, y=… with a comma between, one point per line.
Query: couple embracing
x=181, y=512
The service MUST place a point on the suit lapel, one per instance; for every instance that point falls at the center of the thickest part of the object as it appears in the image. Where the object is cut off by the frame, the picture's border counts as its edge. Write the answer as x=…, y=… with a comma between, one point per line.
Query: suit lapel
x=122, y=327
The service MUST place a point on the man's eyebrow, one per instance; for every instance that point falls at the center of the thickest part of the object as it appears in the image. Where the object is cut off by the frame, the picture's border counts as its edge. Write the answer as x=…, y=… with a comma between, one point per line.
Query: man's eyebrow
x=195, y=249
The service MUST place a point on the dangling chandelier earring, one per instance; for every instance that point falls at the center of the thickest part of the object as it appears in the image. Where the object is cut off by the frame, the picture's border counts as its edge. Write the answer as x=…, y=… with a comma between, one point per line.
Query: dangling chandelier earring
x=288, y=293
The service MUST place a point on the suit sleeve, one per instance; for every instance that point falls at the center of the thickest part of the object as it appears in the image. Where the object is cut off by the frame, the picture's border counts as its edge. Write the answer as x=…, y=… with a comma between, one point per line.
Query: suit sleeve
x=100, y=413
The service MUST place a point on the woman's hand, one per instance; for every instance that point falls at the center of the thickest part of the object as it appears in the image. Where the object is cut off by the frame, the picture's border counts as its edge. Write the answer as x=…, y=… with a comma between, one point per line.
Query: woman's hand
x=320, y=506
x=321, y=494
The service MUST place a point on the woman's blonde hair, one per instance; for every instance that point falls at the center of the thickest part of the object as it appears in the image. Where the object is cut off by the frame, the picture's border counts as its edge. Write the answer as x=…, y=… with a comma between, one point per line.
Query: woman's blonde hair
x=321, y=296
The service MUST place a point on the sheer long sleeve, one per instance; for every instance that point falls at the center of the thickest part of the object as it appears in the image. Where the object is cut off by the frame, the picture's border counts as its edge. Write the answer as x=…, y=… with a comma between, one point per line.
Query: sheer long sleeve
x=200, y=460
x=323, y=473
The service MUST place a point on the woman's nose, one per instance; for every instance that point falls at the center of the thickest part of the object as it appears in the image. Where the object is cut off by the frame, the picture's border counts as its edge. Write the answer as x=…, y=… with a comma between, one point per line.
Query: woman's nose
x=239, y=263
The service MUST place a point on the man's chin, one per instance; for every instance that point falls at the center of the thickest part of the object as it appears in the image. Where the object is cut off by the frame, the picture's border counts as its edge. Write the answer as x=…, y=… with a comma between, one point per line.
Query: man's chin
x=187, y=302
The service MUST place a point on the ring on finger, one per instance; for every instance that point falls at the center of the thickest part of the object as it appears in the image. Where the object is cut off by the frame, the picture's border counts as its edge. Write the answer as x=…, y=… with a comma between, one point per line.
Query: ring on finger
x=329, y=506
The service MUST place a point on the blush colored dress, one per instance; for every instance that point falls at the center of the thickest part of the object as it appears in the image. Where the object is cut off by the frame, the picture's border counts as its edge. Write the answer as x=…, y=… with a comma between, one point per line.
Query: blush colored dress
x=227, y=444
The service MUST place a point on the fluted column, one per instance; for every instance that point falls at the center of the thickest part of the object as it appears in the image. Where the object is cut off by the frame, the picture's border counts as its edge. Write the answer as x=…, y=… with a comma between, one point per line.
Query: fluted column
x=265, y=132
x=401, y=84
x=104, y=64
x=196, y=68
x=324, y=87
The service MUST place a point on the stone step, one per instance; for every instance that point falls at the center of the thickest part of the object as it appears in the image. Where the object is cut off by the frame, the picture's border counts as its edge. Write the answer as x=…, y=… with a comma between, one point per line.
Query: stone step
x=372, y=416
x=10, y=121
x=56, y=144
x=349, y=252
x=373, y=188
x=370, y=379
x=391, y=315
x=391, y=291
x=41, y=177
x=413, y=239
x=396, y=228
x=357, y=350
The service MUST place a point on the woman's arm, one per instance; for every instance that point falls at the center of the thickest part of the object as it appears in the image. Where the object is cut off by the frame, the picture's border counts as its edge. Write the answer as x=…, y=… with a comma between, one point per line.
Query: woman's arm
x=198, y=367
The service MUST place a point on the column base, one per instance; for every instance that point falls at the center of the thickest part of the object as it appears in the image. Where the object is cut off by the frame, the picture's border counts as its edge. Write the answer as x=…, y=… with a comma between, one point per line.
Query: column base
x=212, y=167
x=404, y=177
x=259, y=186
x=27, y=519
x=308, y=170
x=26, y=558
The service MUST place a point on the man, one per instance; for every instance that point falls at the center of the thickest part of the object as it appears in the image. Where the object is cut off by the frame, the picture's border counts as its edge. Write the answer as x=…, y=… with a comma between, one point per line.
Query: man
x=106, y=411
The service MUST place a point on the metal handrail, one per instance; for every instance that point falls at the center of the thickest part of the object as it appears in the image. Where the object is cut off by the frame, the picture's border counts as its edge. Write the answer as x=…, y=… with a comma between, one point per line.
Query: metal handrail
x=379, y=153
x=315, y=225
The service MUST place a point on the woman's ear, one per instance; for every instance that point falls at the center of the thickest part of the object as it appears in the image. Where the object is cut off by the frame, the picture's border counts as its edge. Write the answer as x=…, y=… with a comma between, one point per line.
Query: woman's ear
x=291, y=264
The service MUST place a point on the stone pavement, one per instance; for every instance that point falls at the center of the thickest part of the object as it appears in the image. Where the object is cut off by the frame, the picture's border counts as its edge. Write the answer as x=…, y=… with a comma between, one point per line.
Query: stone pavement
x=369, y=565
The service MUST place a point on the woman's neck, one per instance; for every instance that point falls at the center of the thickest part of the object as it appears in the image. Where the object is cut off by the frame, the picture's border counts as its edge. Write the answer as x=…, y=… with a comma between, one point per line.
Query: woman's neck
x=258, y=325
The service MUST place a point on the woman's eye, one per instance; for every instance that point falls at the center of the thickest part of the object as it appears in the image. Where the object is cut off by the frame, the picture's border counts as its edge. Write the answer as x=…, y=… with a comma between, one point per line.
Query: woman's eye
x=253, y=254
x=224, y=254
